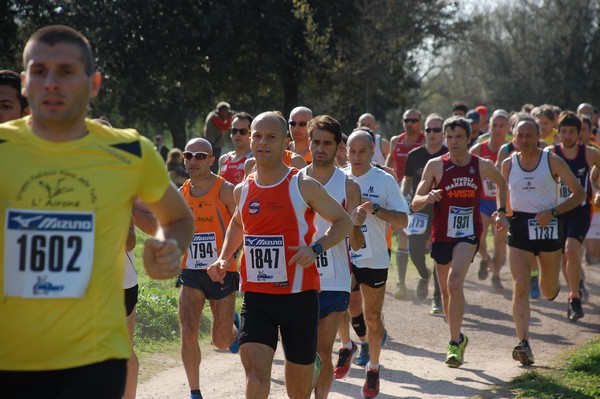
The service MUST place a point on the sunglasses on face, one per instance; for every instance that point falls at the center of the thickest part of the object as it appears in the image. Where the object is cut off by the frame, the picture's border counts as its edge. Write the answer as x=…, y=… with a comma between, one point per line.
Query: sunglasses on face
x=294, y=123
x=198, y=155
x=242, y=132
x=433, y=129
x=411, y=120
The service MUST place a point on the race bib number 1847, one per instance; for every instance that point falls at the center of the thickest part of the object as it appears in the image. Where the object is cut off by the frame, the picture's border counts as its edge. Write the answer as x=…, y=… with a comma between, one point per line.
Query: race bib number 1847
x=265, y=259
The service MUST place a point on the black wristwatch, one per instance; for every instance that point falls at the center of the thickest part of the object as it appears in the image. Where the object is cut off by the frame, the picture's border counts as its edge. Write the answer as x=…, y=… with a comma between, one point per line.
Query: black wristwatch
x=502, y=209
x=376, y=209
x=317, y=248
x=554, y=212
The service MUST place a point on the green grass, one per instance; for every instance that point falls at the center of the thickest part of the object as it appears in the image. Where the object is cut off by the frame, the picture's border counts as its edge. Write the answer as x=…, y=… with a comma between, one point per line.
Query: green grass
x=576, y=377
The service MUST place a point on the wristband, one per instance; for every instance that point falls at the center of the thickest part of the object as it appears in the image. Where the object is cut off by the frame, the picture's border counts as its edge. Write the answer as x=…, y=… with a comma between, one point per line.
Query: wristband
x=502, y=209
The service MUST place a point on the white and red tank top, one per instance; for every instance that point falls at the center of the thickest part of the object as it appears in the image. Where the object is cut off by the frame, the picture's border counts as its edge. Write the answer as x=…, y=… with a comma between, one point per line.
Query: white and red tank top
x=275, y=218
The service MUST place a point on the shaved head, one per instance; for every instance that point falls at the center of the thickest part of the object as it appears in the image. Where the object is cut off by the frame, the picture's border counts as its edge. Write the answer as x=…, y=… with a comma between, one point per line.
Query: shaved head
x=367, y=120
x=200, y=144
x=361, y=136
x=271, y=117
x=301, y=110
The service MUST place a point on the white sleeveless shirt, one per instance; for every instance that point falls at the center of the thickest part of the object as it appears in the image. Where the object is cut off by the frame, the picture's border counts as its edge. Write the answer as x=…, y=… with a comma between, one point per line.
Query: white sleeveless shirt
x=334, y=263
x=532, y=191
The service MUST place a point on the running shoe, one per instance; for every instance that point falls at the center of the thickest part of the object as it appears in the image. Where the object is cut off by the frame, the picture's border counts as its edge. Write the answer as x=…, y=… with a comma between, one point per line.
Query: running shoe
x=483, y=272
x=344, y=358
x=436, y=305
x=588, y=257
x=363, y=356
x=423, y=287
x=523, y=354
x=235, y=346
x=400, y=292
x=497, y=284
x=371, y=387
x=575, y=311
x=456, y=352
x=196, y=396
x=534, y=288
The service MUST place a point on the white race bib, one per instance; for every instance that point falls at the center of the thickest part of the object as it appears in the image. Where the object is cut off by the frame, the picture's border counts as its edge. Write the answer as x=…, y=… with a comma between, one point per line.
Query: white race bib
x=417, y=224
x=489, y=187
x=563, y=192
x=48, y=254
x=460, y=222
x=265, y=259
x=547, y=232
x=202, y=251
x=365, y=252
x=324, y=266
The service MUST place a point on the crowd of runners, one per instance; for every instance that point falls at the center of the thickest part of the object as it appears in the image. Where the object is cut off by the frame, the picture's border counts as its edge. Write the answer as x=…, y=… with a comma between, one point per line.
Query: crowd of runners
x=299, y=217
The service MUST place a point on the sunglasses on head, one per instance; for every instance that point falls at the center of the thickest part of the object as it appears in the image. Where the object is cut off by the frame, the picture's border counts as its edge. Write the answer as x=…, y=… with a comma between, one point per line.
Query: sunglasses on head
x=294, y=123
x=242, y=132
x=411, y=120
x=433, y=129
x=198, y=155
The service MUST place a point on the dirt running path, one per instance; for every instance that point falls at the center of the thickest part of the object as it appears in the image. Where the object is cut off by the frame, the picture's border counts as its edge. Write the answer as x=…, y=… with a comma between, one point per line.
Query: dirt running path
x=413, y=359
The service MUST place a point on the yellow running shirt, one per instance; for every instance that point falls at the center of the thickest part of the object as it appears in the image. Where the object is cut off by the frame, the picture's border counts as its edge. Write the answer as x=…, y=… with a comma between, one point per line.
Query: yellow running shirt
x=65, y=212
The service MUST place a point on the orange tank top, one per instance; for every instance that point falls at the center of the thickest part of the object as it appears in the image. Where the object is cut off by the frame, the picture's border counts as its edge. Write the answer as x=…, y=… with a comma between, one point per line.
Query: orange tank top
x=211, y=219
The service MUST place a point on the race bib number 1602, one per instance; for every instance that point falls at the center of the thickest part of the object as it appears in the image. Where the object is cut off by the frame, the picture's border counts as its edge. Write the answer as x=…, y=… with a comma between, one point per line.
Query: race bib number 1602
x=48, y=254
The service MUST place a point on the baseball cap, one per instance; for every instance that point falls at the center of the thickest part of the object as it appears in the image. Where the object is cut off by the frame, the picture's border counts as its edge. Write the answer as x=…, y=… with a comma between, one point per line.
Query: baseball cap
x=223, y=104
x=482, y=110
x=473, y=116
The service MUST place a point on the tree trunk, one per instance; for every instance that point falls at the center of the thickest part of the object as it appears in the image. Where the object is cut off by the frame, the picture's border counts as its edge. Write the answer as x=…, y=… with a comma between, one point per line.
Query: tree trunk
x=176, y=126
x=290, y=91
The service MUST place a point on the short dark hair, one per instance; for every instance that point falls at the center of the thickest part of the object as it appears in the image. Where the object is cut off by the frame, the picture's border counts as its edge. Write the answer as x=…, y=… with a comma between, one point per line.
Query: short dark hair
x=328, y=123
x=546, y=110
x=458, y=121
x=54, y=34
x=569, y=118
x=12, y=79
x=460, y=106
x=243, y=115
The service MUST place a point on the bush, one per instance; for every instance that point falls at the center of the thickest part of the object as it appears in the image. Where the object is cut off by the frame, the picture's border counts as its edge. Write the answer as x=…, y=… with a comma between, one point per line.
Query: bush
x=157, y=314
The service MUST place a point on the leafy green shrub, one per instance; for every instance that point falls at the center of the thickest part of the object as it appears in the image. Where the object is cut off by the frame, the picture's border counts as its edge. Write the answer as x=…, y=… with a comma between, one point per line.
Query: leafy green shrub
x=157, y=314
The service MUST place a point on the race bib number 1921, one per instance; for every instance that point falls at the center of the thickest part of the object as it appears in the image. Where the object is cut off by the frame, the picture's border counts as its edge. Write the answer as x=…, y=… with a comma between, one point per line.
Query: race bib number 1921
x=48, y=254
x=460, y=222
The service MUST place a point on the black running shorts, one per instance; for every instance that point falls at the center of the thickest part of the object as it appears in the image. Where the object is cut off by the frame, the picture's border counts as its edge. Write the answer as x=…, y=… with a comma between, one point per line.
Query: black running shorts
x=131, y=299
x=294, y=315
x=200, y=280
x=374, y=278
x=441, y=252
x=103, y=380
x=518, y=235
x=576, y=223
